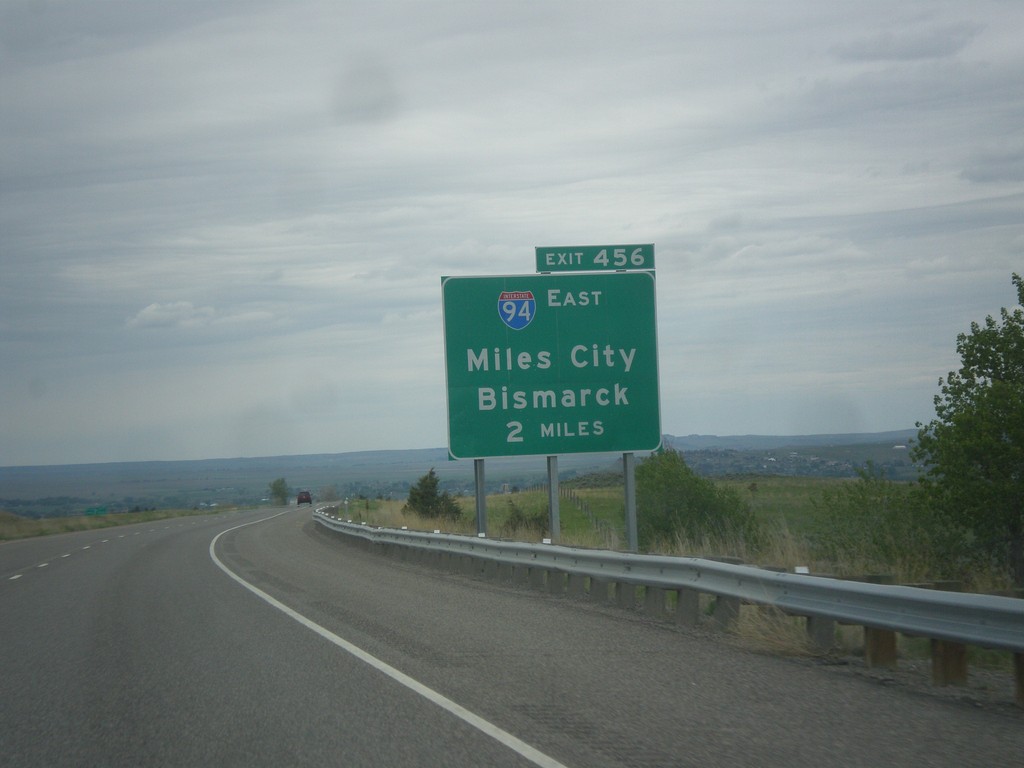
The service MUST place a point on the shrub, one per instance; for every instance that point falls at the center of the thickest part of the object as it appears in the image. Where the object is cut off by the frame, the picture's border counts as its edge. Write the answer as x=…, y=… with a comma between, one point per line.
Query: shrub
x=520, y=522
x=877, y=524
x=674, y=503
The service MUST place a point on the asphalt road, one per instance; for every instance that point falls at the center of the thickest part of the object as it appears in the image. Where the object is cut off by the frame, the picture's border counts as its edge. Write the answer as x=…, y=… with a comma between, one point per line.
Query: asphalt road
x=213, y=642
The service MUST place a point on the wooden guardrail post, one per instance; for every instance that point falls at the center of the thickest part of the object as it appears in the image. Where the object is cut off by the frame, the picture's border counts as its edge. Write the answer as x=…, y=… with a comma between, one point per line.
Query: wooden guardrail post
x=687, y=607
x=556, y=582
x=1018, y=673
x=625, y=595
x=577, y=586
x=949, y=659
x=598, y=590
x=520, y=574
x=879, y=647
x=821, y=632
x=879, y=644
x=537, y=578
x=949, y=663
x=654, y=601
x=726, y=611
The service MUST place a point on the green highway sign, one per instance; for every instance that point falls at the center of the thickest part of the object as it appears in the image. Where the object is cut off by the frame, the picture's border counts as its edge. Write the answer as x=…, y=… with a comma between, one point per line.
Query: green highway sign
x=551, y=364
x=594, y=258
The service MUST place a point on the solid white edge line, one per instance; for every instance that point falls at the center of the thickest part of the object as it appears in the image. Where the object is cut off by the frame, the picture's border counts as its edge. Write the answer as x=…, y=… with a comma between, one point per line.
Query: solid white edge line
x=484, y=726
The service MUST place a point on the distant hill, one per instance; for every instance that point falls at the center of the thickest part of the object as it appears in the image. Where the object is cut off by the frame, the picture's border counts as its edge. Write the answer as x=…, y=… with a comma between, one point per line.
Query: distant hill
x=800, y=455
x=120, y=486
x=767, y=442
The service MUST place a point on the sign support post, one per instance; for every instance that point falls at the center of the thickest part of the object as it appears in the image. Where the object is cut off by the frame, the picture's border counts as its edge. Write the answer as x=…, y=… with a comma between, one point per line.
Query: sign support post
x=629, y=471
x=553, y=522
x=481, y=497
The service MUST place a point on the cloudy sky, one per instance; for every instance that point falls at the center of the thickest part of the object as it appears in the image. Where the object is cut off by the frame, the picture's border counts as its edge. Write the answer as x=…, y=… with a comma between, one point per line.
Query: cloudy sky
x=223, y=225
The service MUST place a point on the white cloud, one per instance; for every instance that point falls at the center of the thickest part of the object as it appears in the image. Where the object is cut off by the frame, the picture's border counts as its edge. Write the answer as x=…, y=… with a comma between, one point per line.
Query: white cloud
x=178, y=314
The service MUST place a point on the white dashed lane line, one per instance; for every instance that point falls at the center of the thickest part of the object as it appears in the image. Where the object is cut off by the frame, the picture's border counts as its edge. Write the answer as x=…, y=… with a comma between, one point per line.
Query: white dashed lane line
x=17, y=576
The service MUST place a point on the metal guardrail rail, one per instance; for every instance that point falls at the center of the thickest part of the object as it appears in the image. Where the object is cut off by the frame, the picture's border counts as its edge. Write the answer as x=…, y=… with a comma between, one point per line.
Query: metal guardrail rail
x=987, y=621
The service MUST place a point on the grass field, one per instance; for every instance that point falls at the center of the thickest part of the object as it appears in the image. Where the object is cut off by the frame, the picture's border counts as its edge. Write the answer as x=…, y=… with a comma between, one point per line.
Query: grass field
x=15, y=527
x=594, y=516
x=791, y=512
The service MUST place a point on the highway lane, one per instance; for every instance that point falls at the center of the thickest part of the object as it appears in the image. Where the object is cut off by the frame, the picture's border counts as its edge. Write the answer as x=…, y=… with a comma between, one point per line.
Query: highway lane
x=141, y=651
x=594, y=686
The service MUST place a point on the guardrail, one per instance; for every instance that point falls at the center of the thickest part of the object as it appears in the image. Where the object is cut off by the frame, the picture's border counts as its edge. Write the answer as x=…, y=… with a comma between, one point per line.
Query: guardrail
x=671, y=587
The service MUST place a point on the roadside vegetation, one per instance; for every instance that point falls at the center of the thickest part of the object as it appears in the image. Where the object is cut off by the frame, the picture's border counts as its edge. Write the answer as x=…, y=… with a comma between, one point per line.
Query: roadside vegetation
x=868, y=527
x=963, y=522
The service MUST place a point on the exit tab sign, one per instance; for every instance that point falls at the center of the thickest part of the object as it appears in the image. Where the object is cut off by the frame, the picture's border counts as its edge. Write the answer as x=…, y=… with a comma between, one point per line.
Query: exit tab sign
x=594, y=258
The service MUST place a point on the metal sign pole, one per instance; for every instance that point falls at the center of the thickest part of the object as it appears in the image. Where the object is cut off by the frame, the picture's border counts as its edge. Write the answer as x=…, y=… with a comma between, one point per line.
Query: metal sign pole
x=629, y=470
x=481, y=497
x=553, y=522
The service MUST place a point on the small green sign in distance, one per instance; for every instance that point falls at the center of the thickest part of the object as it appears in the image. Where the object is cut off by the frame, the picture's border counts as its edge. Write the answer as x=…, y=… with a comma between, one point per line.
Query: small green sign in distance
x=594, y=258
x=551, y=364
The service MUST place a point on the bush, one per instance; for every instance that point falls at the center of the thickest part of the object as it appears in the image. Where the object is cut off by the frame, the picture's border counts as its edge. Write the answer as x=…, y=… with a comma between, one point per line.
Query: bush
x=520, y=522
x=674, y=503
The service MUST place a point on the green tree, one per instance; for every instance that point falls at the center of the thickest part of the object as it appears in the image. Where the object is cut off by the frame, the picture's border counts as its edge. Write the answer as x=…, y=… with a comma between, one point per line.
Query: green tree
x=973, y=451
x=674, y=502
x=426, y=500
x=279, y=491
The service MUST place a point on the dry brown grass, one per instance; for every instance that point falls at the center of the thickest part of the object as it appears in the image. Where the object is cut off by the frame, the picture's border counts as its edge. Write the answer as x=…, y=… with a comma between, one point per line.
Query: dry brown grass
x=17, y=527
x=768, y=629
x=390, y=513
